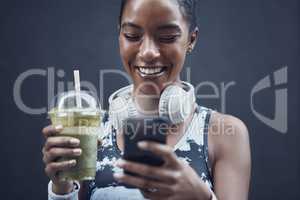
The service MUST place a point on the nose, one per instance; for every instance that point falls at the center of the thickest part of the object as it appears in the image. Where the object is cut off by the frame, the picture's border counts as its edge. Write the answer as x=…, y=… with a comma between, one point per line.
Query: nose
x=149, y=51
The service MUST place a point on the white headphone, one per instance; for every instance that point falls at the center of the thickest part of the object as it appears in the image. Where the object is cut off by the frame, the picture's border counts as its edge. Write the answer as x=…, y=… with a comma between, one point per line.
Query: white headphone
x=175, y=104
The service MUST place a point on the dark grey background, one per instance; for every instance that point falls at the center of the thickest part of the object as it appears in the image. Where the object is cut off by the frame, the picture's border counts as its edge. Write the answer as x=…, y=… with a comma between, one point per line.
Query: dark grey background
x=241, y=41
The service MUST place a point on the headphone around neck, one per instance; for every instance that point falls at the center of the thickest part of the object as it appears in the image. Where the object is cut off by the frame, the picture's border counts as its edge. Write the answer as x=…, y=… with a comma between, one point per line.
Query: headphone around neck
x=175, y=104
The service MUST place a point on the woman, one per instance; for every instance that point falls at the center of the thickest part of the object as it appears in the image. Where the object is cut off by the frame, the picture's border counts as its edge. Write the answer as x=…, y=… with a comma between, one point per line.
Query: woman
x=208, y=157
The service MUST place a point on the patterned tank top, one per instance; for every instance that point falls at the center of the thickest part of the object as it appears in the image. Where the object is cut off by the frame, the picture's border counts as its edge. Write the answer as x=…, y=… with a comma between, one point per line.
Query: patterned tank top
x=192, y=148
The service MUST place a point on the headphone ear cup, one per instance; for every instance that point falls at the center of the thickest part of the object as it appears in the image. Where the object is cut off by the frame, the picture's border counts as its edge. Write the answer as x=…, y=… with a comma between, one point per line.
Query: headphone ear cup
x=122, y=108
x=118, y=111
x=163, y=106
x=131, y=109
x=170, y=104
x=175, y=104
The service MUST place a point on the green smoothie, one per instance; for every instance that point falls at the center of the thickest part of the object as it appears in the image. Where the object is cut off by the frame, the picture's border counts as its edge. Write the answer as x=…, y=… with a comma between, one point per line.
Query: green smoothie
x=84, y=125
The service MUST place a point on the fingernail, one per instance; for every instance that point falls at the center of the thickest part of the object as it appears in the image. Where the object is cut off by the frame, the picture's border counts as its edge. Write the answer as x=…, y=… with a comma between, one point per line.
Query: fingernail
x=120, y=163
x=142, y=145
x=77, y=152
x=58, y=127
x=74, y=141
x=72, y=162
x=118, y=175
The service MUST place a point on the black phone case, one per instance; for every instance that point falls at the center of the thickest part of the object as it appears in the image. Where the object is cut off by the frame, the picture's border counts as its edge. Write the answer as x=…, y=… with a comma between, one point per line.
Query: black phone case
x=143, y=129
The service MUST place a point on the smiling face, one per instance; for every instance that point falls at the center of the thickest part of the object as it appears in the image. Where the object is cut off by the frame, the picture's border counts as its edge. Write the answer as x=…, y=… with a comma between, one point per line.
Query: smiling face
x=154, y=38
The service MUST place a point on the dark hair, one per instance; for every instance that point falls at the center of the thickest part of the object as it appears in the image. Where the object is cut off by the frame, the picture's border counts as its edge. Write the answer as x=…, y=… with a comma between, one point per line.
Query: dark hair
x=188, y=7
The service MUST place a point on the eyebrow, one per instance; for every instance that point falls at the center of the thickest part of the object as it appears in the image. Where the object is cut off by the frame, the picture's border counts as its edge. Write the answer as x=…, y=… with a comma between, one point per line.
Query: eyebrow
x=170, y=26
x=125, y=24
x=160, y=28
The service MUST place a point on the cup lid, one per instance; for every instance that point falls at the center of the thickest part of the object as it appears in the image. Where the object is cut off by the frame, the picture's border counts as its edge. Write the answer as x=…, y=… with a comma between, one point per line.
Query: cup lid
x=76, y=101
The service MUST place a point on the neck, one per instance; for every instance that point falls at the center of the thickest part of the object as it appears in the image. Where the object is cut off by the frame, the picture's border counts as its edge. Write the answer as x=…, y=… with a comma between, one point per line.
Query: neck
x=146, y=104
x=146, y=99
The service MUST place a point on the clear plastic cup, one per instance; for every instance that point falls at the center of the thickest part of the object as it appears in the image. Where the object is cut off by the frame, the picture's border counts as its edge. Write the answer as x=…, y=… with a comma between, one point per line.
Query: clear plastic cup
x=79, y=114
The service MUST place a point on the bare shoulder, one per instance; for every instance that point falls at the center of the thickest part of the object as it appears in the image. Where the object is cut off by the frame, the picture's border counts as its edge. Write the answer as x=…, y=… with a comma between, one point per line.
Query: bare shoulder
x=227, y=135
x=227, y=125
x=229, y=155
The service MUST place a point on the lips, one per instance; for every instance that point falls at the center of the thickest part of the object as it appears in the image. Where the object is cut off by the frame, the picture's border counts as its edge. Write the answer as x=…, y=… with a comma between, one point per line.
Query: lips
x=151, y=71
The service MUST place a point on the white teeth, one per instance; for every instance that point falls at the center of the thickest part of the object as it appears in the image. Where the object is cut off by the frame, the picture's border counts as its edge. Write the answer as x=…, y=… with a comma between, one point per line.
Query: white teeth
x=150, y=71
x=157, y=70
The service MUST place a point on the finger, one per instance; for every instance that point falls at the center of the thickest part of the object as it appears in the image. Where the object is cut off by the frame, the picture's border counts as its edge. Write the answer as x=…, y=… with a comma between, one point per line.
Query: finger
x=51, y=130
x=61, y=141
x=161, y=150
x=54, y=167
x=153, y=172
x=157, y=195
x=55, y=153
x=142, y=183
x=99, y=143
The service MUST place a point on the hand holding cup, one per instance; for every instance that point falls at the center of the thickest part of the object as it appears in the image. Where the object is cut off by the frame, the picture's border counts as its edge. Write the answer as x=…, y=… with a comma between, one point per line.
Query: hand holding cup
x=54, y=148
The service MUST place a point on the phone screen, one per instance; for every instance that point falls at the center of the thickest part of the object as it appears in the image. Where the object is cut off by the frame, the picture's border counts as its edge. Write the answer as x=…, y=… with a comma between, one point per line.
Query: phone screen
x=143, y=129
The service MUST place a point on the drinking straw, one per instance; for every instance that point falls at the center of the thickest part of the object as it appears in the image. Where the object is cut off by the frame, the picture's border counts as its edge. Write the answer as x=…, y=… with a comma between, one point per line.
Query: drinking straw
x=77, y=88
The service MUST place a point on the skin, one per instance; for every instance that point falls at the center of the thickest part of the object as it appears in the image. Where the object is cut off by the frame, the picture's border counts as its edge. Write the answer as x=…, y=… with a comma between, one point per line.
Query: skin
x=56, y=147
x=149, y=46
x=147, y=39
x=229, y=155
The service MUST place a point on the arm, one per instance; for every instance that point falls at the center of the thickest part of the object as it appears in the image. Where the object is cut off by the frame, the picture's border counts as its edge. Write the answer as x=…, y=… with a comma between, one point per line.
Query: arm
x=229, y=153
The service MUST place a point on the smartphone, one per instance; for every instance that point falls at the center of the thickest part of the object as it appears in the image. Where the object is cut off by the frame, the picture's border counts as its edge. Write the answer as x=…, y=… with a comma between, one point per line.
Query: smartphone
x=143, y=129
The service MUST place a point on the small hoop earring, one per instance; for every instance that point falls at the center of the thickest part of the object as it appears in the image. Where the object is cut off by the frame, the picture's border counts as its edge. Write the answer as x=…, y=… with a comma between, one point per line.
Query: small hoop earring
x=189, y=50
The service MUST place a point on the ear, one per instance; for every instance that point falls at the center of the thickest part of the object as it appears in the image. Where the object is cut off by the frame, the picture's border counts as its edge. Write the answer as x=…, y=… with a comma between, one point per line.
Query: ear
x=119, y=28
x=193, y=38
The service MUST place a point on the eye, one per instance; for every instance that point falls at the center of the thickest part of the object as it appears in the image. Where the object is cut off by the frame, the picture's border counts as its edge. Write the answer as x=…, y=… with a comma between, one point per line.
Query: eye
x=132, y=37
x=168, y=38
